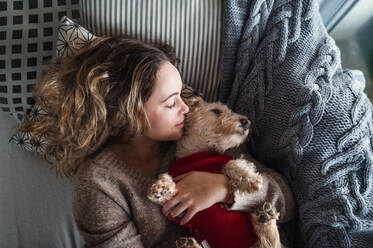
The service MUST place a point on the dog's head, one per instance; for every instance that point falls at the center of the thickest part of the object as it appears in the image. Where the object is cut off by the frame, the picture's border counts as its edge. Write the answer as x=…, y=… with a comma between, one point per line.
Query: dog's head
x=215, y=125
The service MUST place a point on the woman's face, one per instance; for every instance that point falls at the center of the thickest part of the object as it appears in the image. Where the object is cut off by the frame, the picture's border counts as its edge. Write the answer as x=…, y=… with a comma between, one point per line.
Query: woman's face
x=165, y=108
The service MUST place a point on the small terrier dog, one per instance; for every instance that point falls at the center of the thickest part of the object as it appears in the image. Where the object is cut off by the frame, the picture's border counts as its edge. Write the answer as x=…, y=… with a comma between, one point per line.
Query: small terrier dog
x=209, y=128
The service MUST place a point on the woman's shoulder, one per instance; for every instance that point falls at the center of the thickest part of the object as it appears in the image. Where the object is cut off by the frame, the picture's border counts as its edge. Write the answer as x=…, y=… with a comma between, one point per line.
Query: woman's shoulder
x=98, y=166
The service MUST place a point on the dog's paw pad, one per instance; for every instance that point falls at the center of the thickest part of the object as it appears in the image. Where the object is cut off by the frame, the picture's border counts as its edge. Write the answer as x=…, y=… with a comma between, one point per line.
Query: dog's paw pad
x=187, y=242
x=265, y=213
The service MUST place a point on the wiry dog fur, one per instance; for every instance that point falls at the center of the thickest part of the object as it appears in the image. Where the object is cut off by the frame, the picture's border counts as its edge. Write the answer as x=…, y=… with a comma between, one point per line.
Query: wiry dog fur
x=212, y=126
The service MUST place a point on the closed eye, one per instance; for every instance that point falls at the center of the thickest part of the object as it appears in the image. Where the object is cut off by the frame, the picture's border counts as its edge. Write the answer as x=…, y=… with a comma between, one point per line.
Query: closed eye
x=172, y=105
x=216, y=111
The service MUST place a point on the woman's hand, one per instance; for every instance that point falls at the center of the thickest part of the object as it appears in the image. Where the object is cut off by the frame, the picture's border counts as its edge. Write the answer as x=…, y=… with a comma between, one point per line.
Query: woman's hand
x=197, y=191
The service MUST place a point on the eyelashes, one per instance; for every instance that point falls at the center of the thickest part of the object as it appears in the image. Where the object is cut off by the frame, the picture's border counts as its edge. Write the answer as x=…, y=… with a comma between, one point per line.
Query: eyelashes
x=171, y=106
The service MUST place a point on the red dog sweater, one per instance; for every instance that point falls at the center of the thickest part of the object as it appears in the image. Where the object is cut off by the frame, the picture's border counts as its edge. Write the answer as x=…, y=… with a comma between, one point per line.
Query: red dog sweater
x=220, y=227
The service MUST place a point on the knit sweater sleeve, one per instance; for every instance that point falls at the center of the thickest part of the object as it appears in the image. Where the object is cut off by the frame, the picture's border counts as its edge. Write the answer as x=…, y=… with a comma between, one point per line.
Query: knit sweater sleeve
x=102, y=221
x=275, y=190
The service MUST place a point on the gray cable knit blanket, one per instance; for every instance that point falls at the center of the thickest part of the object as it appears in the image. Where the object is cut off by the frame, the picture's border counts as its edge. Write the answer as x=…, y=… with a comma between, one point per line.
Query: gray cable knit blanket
x=311, y=119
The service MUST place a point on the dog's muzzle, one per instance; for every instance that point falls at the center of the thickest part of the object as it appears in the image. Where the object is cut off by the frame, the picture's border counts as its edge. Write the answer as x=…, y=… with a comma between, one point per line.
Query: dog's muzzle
x=245, y=124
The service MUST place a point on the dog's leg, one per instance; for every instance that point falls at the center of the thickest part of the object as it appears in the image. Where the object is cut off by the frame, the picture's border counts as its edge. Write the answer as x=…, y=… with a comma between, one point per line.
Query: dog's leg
x=162, y=190
x=187, y=242
x=243, y=175
x=265, y=226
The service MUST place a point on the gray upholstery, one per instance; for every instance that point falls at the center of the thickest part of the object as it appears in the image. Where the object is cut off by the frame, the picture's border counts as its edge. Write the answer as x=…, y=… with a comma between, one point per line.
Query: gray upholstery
x=35, y=209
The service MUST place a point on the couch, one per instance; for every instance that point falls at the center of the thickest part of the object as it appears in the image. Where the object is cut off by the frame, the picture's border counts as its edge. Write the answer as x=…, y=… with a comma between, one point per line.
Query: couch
x=35, y=209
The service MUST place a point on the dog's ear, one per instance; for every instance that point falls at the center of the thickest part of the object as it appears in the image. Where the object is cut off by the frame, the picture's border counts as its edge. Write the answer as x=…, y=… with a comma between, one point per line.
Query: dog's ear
x=193, y=102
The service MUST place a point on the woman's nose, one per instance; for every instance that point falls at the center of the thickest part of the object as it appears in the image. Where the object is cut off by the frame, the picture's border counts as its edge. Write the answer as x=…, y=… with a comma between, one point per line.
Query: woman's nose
x=185, y=108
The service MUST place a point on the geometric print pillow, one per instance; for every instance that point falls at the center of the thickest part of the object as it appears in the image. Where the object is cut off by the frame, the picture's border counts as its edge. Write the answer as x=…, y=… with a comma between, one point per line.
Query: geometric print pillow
x=27, y=140
x=27, y=40
x=71, y=37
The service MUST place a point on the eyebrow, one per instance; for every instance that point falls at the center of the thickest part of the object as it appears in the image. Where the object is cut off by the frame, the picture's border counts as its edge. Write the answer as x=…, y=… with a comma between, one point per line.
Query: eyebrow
x=176, y=93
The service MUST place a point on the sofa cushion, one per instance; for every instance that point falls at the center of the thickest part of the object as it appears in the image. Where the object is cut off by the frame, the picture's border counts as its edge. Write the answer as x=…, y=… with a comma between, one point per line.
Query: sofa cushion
x=27, y=39
x=193, y=27
x=35, y=205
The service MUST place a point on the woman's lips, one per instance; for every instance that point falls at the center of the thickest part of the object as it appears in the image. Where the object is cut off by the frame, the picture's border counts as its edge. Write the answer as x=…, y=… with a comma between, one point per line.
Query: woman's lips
x=181, y=124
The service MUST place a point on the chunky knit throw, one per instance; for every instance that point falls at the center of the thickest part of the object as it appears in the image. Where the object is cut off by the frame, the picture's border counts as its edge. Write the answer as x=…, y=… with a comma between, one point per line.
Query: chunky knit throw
x=311, y=119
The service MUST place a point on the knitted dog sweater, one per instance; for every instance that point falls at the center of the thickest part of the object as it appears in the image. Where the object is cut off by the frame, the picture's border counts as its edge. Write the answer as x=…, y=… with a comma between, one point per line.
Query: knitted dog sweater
x=220, y=227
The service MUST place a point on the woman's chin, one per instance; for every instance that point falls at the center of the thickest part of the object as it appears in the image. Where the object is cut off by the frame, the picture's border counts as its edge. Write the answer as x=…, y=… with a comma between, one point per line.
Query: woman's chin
x=178, y=134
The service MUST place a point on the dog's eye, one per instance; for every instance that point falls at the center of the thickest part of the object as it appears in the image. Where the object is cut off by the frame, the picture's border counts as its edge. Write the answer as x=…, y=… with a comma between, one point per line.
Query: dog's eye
x=216, y=111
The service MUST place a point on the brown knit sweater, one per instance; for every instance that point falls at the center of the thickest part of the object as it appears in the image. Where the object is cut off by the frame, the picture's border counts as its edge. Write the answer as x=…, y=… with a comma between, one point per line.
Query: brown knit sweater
x=111, y=208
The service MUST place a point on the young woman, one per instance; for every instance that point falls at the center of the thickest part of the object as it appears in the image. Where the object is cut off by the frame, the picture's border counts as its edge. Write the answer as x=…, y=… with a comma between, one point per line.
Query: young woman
x=114, y=112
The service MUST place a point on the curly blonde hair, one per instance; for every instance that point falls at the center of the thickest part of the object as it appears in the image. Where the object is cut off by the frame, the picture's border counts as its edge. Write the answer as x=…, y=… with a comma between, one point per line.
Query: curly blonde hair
x=97, y=93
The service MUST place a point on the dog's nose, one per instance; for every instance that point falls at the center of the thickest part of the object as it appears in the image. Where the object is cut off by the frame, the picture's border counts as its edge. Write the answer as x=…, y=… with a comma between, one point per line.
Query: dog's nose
x=244, y=123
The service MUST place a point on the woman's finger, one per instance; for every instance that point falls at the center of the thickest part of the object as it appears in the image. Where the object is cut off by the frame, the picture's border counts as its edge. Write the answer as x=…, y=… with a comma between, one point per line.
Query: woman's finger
x=171, y=204
x=189, y=215
x=179, y=209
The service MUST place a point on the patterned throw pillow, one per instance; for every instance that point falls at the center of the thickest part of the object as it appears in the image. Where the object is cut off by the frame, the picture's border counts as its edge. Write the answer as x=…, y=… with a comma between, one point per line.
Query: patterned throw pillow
x=27, y=39
x=71, y=37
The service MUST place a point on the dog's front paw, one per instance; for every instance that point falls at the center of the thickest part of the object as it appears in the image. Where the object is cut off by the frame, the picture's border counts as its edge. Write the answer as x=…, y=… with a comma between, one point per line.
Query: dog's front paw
x=266, y=213
x=187, y=242
x=162, y=190
x=243, y=175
